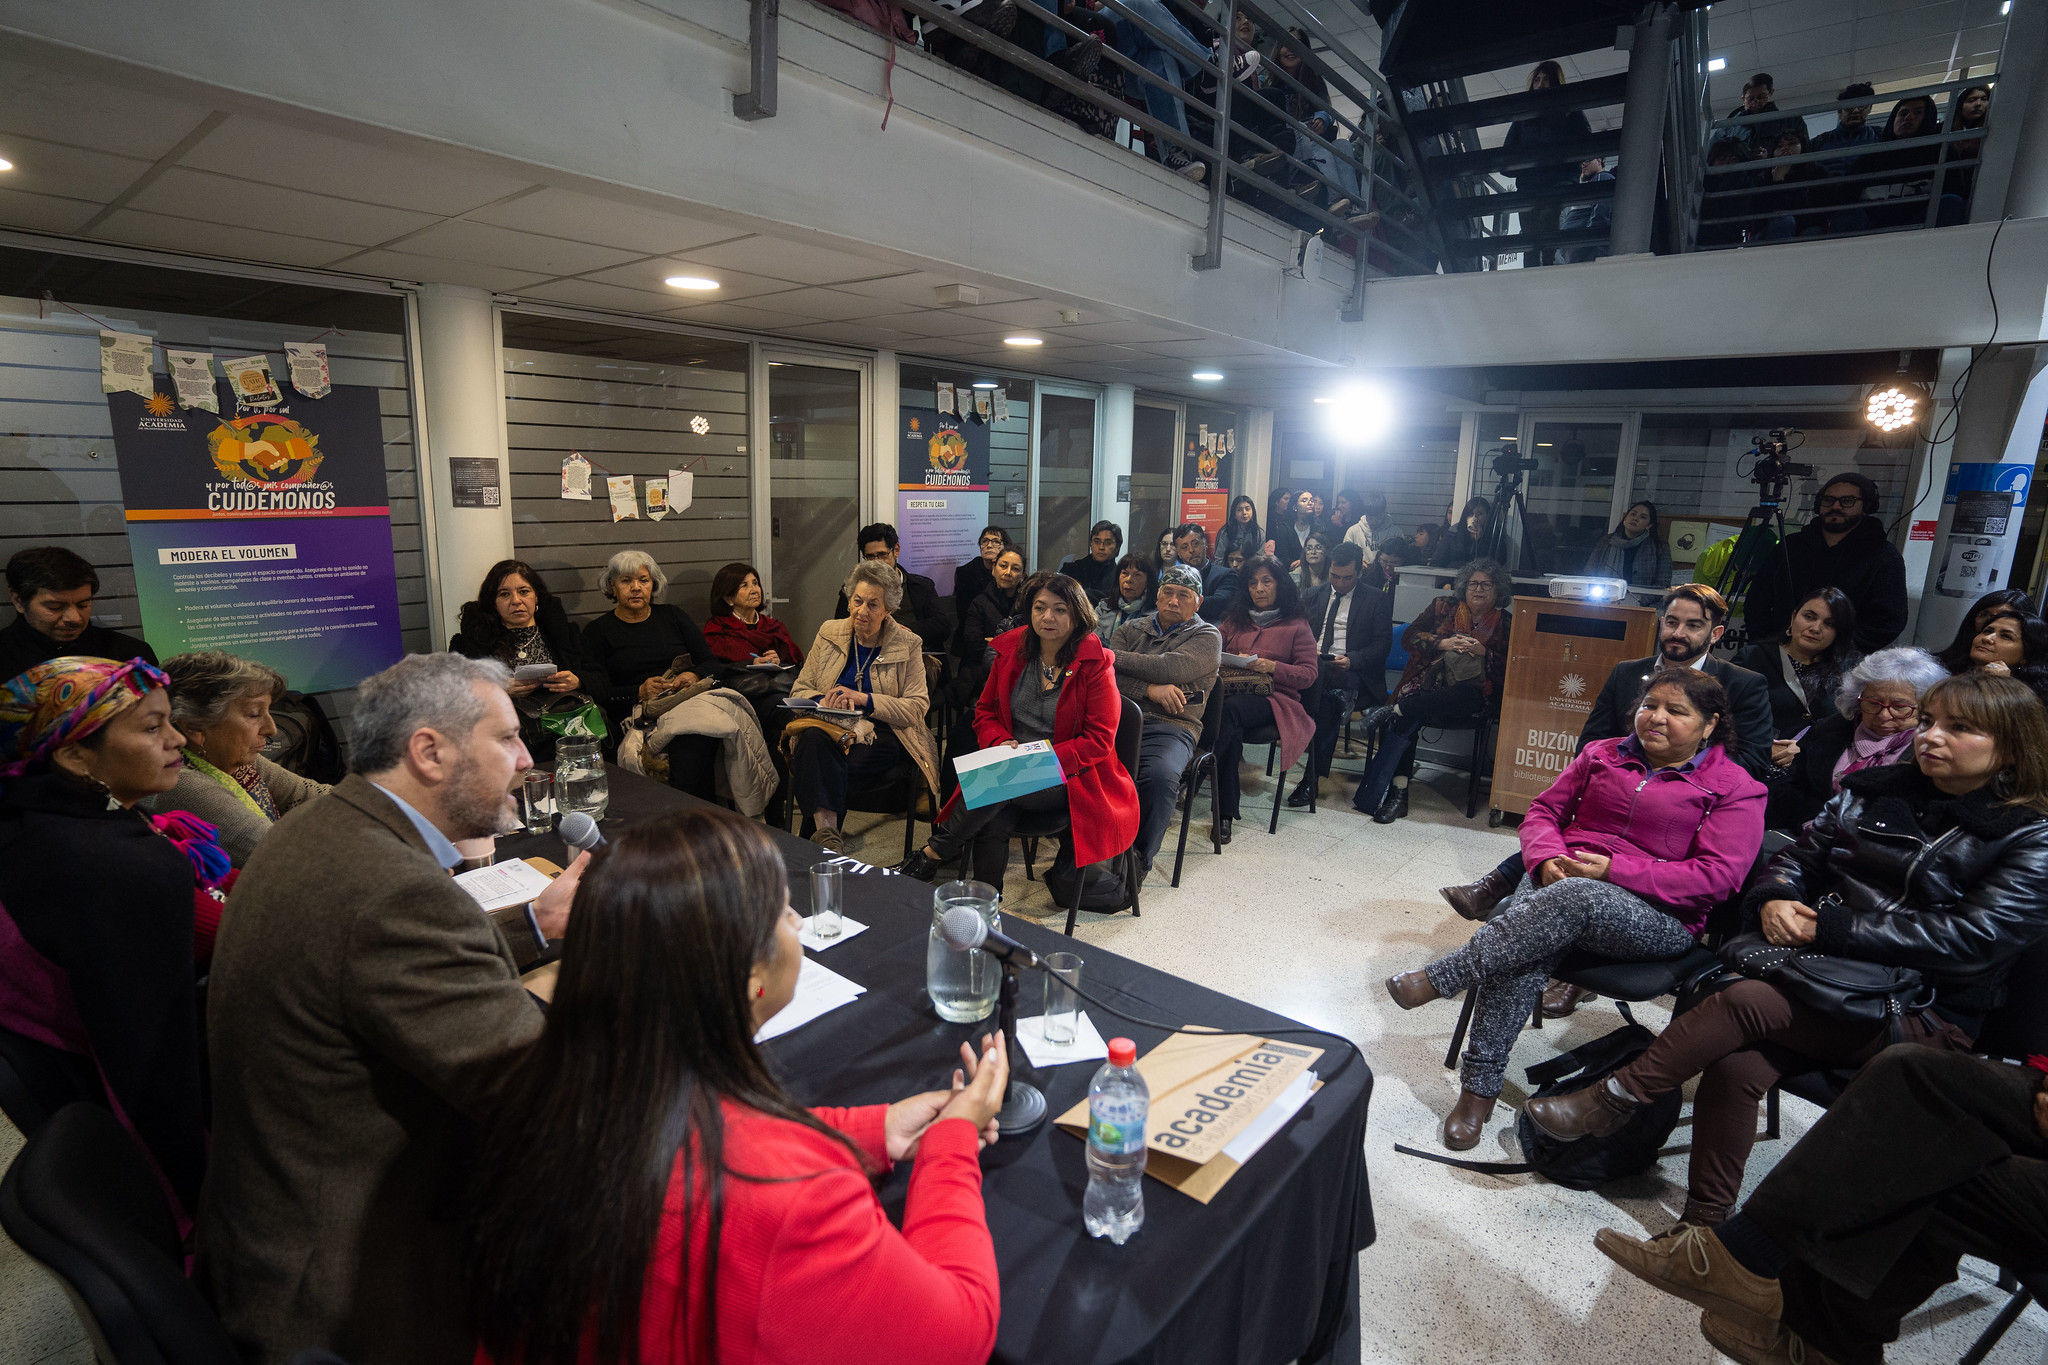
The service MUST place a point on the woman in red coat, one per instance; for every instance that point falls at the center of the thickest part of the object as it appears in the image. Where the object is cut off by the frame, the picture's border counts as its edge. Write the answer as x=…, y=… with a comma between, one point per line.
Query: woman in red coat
x=1052, y=680
x=644, y=1180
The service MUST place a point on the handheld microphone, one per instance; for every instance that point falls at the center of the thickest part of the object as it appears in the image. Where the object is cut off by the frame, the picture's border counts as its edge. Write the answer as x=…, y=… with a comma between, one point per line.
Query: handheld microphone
x=579, y=831
x=963, y=929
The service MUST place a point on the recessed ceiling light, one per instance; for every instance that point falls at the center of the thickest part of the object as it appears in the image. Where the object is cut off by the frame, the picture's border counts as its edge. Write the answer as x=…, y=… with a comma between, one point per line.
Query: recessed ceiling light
x=984, y=383
x=1207, y=376
x=5, y=164
x=1717, y=63
x=1023, y=341
x=1324, y=398
x=697, y=283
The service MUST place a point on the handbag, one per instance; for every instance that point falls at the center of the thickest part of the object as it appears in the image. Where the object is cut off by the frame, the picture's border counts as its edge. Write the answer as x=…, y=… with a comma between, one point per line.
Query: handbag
x=1244, y=682
x=675, y=694
x=1838, y=987
x=572, y=715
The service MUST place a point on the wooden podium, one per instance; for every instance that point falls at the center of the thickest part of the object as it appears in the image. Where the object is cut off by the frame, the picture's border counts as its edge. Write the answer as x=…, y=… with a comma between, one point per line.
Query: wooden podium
x=1559, y=656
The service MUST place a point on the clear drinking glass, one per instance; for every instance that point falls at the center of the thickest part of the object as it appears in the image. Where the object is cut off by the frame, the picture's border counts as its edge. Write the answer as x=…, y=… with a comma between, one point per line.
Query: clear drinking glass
x=962, y=985
x=828, y=891
x=1062, y=1006
x=579, y=778
x=537, y=801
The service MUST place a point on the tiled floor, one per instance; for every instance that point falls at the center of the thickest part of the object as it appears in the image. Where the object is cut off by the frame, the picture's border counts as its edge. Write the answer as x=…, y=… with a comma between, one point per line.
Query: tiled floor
x=1468, y=1267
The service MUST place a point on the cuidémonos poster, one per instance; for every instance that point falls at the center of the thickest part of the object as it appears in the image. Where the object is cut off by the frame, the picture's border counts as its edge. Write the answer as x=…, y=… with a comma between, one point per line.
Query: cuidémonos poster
x=941, y=492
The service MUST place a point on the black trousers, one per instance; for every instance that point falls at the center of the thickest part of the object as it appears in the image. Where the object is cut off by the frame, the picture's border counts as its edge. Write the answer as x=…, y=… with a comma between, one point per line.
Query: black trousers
x=1342, y=687
x=1419, y=711
x=820, y=775
x=693, y=765
x=989, y=829
x=1240, y=713
x=1927, y=1157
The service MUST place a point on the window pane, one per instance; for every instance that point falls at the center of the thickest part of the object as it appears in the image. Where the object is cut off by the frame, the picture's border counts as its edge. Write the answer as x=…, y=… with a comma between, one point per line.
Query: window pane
x=1066, y=477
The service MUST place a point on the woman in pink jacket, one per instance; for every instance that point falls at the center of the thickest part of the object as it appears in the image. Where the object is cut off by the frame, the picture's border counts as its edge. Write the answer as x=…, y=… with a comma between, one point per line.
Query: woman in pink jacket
x=1628, y=850
x=1264, y=623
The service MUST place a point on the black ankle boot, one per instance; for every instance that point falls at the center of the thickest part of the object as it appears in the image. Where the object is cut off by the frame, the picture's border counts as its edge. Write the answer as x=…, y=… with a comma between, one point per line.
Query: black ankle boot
x=919, y=866
x=1392, y=807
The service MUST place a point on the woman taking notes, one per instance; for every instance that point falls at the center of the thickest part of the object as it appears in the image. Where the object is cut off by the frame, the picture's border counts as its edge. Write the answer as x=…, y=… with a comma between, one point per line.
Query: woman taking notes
x=711, y=1218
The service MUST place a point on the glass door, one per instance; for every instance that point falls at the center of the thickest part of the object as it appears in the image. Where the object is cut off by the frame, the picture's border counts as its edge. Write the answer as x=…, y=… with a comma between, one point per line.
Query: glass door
x=1155, y=439
x=1570, y=492
x=816, y=417
x=1064, y=507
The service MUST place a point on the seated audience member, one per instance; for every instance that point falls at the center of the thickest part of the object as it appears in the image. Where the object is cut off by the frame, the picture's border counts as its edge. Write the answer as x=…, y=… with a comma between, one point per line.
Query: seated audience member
x=1877, y=708
x=970, y=578
x=1634, y=551
x=1632, y=845
x=1167, y=663
x=1780, y=200
x=870, y=664
x=1759, y=96
x=1242, y=531
x=1956, y=658
x=1372, y=530
x=1051, y=680
x=1973, y=109
x=702, y=1183
x=741, y=633
x=1315, y=561
x=1457, y=662
x=518, y=622
x=921, y=612
x=1911, y=118
x=636, y=644
x=1958, y=912
x=1234, y=561
x=1219, y=583
x=1803, y=669
x=1597, y=214
x=52, y=591
x=1425, y=539
x=1287, y=534
x=1342, y=517
x=1166, y=546
x=105, y=918
x=1096, y=570
x=1466, y=541
x=1354, y=626
x=1852, y=129
x=1279, y=512
x=1264, y=623
x=220, y=703
x=1130, y=597
x=360, y=1013
x=2012, y=643
x=986, y=617
x=1384, y=573
x=1927, y=1157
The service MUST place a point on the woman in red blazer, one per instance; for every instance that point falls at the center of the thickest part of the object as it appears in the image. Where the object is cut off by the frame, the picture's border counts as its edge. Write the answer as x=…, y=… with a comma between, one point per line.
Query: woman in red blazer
x=643, y=1180
x=1052, y=680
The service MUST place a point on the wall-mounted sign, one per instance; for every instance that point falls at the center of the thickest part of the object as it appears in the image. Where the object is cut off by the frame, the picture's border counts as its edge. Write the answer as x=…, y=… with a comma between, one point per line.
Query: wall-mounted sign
x=941, y=491
x=473, y=482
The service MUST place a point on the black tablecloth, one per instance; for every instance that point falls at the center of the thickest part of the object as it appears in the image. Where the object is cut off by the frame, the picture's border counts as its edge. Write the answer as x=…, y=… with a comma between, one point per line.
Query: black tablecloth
x=1265, y=1272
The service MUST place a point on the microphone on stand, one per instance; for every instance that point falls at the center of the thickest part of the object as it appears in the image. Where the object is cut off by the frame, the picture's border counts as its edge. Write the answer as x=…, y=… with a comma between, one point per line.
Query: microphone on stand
x=963, y=929
x=579, y=831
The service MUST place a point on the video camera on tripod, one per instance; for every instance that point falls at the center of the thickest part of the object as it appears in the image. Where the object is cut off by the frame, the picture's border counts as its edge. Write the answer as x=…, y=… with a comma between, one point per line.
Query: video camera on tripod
x=1768, y=464
x=1509, y=464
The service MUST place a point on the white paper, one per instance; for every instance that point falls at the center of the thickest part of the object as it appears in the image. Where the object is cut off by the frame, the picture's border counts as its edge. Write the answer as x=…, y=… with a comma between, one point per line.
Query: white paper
x=1086, y=1047
x=999, y=753
x=252, y=383
x=946, y=398
x=657, y=499
x=576, y=477
x=984, y=403
x=192, y=379
x=308, y=363
x=512, y=882
x=125, y=364
x=625, y=505
x=1270, y=1120
x=680, y=482
x=819, y=991
x=818, y=945
x=1002, y=405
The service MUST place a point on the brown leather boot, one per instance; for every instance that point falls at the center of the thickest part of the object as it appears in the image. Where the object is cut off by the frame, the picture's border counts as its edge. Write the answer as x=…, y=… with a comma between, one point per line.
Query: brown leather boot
x=1411, y=989
x=1476, y=900
x=1561, y=998
x=1690, y=1263
x=1466, y=1122
x=1596, y=1111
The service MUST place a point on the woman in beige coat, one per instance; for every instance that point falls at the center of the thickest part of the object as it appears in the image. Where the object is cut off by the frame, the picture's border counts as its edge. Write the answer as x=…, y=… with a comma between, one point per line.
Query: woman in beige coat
x=872, y=669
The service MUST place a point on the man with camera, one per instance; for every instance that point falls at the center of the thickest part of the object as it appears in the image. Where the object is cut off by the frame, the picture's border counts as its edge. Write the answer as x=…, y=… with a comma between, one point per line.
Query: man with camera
x=1166, y=662
x=1845, y=547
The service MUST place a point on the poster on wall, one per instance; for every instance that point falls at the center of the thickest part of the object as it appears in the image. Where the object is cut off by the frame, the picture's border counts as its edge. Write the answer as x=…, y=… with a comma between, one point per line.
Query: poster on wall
x=1205, y=478
x=267, y=535
x=941, y=492
x=1987, y=501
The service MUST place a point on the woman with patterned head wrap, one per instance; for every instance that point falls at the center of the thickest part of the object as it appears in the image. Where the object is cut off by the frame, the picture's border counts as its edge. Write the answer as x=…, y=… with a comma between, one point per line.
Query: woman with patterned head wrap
x=100, y=905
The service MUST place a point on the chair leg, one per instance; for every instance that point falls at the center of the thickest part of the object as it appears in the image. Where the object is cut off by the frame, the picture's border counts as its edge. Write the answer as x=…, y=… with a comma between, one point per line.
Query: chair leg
x=1030, y=857
x=1270, y=751
x=910, y=827
x=1074, y=910
x=1771, y=1113
x=1279, y=789
x=1187, y=813
x=1996, y=1328
x=1458, y=1035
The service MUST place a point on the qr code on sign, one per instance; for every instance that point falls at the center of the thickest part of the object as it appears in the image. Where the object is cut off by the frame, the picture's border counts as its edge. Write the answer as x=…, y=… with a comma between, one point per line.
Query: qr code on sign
x=491, y=498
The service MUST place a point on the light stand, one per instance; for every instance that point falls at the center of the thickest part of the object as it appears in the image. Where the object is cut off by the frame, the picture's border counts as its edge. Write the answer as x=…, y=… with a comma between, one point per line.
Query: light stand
x=1024, y=1105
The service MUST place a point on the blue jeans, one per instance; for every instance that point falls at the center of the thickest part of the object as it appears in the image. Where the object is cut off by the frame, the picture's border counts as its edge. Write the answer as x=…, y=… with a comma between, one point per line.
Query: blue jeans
x=1143, y=49
x=1333, y=161
x=1163, y=754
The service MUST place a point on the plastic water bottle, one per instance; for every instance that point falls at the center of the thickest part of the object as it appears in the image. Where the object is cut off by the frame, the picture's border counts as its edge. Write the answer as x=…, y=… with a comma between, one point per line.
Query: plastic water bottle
x=1118, y=1101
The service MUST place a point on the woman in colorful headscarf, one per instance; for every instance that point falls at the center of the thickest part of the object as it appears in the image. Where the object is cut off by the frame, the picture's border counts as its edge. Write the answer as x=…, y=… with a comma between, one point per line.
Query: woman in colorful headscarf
x=97, y=900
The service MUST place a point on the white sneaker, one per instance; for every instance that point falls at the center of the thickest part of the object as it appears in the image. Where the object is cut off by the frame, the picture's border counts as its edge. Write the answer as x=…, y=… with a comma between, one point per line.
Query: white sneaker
x=1181, y=164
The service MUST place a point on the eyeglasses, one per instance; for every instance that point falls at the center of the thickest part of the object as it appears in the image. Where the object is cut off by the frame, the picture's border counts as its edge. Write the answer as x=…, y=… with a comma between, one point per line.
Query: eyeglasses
x=1888, y=708
x=1823, y=504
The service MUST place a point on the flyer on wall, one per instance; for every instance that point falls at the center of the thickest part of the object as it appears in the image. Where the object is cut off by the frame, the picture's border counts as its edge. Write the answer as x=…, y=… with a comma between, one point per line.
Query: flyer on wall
x=266, y=535
x=941, y=492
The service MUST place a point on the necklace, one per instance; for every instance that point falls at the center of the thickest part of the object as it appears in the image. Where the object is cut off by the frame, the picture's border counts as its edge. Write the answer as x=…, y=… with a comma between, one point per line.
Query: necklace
x=861, y=666
x=524, y=638
x=1049, y=672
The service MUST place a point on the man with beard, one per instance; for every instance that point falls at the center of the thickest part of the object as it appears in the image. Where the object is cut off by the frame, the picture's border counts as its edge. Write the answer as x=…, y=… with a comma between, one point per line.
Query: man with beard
x=1845, y=547
x=360, y=1009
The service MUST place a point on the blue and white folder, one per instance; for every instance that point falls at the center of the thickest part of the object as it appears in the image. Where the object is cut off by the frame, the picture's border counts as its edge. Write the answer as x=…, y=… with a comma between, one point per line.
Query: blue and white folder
x=997, y=774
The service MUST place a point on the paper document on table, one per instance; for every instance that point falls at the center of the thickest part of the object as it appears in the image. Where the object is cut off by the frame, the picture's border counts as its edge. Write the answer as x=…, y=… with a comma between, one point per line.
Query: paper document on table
x=1086, y=1047
x=819, y=991
x=809, y=938
x=1272, y=1118
x=514, y=882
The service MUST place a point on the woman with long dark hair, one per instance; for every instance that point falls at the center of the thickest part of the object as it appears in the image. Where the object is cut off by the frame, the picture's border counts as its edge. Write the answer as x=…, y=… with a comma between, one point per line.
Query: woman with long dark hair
x=2012, y=643
x=1973, y=109
x=1265, y=624
x=1466, y=541
x=1634, y=551
x=518, y=622
x=710, y=1217
x=1242, y=531
x=1956, y=658
x=1564, y=126
x=1805, y=667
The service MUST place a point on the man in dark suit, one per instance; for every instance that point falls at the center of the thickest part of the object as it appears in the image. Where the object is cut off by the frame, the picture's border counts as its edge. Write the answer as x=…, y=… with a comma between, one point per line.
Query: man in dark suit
x=920, y=611
x=1219, y=581
x=1354, y=628
x=360, y=1010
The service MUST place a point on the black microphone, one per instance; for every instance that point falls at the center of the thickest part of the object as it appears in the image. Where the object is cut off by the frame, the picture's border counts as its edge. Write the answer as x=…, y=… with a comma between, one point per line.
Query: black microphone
x=579, y=831
x=963, y=929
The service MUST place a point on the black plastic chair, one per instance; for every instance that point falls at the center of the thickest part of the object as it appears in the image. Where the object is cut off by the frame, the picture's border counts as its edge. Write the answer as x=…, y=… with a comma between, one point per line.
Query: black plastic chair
x=36, y=1080
x=1269, y=735
x=898, y=793
x=82, y=1201
x=1201, y=767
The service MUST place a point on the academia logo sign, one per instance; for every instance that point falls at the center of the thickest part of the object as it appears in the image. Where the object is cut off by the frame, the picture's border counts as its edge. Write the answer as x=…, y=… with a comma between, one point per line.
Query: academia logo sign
x=1571, y=694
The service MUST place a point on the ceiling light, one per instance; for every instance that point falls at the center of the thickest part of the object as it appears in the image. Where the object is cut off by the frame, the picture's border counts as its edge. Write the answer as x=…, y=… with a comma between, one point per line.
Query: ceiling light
x=697, y=283
x=1023, y=341
x=1324, y=398
x=1359, y=414
x=1891, y=408
x=984, y=383
x=5, y=164
x=1717, y=63
x=1207, y=376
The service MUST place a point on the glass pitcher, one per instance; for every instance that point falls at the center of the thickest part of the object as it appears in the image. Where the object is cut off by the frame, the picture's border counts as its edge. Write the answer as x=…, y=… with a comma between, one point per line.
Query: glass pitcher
x=579, y=778
x=962, y=986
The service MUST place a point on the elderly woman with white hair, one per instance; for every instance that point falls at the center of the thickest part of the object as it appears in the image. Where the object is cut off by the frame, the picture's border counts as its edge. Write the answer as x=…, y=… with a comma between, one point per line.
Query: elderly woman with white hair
x=636, y=643
x=220, y=703
x=869, y=668
x=1877, y=709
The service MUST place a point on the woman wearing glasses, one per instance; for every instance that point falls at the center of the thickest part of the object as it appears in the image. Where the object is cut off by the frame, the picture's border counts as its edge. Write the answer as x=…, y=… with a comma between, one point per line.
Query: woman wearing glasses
x=1872, y=724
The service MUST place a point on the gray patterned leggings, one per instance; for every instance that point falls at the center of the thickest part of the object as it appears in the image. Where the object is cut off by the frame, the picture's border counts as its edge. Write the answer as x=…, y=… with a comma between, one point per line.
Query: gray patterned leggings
x=1509, y=957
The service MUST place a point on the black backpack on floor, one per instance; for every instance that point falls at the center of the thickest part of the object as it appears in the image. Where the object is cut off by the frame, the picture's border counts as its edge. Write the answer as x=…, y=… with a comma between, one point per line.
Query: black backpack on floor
x=1106, y=886
x=1591, y=1161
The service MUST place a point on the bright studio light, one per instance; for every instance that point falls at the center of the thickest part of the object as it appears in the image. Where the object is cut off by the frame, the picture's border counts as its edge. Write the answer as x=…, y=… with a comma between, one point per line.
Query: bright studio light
x=1717, y=63
x=1358, y=414
x=5, y=164
x=694, y=283
x=1021, y=340
x=1892, y=408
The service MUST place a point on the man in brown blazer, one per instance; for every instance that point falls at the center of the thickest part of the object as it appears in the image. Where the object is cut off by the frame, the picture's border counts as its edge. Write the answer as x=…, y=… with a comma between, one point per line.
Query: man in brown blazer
x=360, y=1009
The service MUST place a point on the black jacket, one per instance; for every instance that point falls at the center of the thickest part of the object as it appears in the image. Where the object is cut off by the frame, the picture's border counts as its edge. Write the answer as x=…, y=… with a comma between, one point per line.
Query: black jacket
x=22, y=648
x=1368, y=633
x=1097, y=579
x=986, y=617
x=1798, y=792
x=920, y=611
x=1455, y=549
x=1219, y=589
x=1790, y=712
x=1865, y=566
x=968, y=581
x=1613, y=713
x=1957, y=905
x=565, y=645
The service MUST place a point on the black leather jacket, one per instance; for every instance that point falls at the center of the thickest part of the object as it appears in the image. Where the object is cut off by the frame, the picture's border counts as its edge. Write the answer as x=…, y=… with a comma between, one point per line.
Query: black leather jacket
x=1954, y=887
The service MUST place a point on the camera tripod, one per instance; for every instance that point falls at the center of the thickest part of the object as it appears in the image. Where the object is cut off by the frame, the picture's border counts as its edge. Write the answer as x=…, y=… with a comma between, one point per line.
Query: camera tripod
x=1507, y=503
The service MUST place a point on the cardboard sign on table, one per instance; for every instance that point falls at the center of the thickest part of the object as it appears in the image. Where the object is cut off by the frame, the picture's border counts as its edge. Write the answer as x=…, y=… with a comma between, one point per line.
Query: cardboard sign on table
x=1206, y=1089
